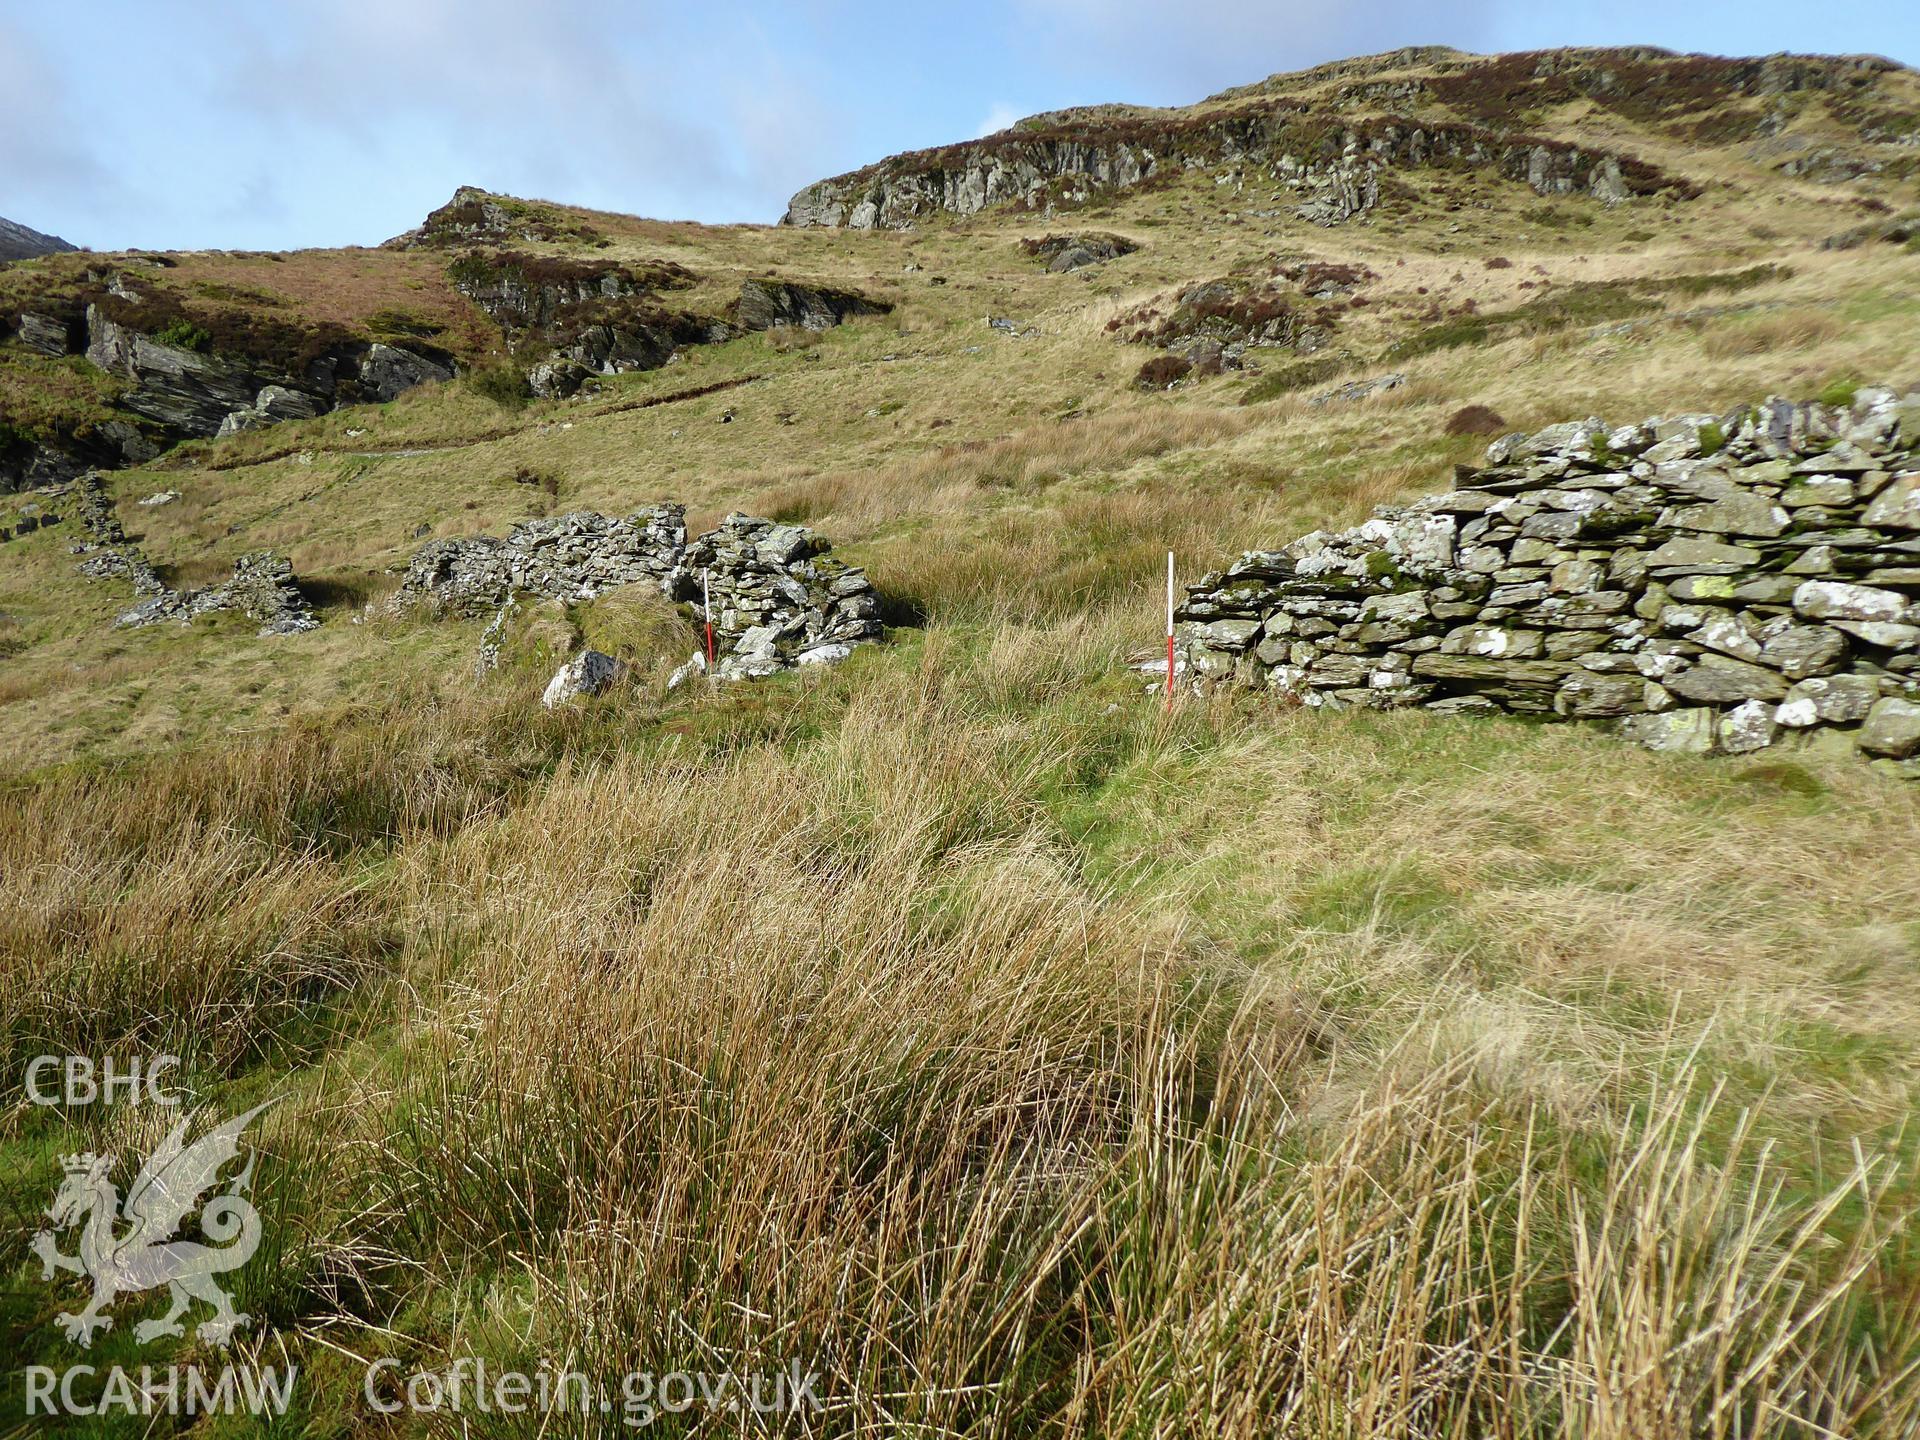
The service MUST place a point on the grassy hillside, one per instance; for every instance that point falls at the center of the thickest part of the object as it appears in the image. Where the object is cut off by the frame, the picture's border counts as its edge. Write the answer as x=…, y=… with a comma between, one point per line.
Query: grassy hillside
x=1020, y=1056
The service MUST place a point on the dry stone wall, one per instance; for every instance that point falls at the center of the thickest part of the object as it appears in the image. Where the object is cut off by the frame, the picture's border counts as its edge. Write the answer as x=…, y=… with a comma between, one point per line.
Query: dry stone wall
x=567, y=557
x=262, y=585
x=779, y=598
x=1708, y=582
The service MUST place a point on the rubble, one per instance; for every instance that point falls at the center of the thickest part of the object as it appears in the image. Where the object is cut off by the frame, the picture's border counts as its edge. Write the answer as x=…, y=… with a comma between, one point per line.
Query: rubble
x=779, y=598
x=262, y=585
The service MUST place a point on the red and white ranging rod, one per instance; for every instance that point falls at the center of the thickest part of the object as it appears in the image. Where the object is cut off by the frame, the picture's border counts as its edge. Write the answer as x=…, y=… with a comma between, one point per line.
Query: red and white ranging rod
x=1169, y=700
x=706, y=608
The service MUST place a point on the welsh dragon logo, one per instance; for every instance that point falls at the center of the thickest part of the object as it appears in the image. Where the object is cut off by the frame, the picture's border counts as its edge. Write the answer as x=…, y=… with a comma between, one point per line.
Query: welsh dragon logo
x=128, y=1248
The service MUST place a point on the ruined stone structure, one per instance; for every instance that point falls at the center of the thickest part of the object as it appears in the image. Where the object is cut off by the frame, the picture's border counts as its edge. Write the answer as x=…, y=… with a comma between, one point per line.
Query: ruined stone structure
x=779, y=599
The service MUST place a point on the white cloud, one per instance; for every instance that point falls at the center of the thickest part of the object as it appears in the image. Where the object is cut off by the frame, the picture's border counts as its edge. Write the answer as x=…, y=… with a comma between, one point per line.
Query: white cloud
x=998, y=118
x=1184, y=50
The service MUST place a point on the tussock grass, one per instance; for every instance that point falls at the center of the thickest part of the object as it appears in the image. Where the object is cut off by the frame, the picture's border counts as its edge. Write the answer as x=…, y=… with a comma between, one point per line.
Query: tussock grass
x=956, y=1024
x=1020, y=1064
x=1797, y=329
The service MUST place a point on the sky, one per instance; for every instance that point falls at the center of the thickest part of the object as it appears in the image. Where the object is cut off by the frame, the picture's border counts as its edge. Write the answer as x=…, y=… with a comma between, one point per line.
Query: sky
x=239, y=125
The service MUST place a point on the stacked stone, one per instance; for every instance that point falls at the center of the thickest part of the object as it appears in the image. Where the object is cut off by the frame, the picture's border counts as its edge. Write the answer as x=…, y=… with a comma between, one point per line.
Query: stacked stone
x=110, y=555
x=262, y=588
x=1711, y=582
x=778, y=598
x=568, y=557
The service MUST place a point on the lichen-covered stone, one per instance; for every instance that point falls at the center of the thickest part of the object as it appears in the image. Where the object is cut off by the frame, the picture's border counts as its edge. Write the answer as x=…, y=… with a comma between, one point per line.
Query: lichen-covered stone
x=1633, y=571
x=1892, y=729
x=1683, y=732
x=779, y=598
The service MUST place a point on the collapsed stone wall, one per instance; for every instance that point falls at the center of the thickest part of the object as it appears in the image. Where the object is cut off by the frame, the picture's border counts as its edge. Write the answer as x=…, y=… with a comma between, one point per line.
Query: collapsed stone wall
x=779, y=598
x=262, y=586
x=567, y=557
x=1708, y=581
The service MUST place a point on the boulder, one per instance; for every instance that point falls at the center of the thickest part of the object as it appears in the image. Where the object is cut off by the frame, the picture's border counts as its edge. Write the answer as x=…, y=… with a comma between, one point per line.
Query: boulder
x=46, y=334
x=388, y=371
x=1892, y=729
x=588, y=673
x=557, y=379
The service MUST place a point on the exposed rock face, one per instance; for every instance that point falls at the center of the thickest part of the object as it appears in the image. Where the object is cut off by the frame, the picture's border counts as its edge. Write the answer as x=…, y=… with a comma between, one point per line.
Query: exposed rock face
x=1064, y=253
x=764, y=304
x=1712, y=581
x=1212, y=325
x=779, y=598
x=1335, y=163
x=44, y=334
x=26, y=463
x=181, y=389
x=583, y=317
x=189, y=393
x=387, y=372
x=17, y=242
x=554, y=296
x=180, y=382
x=1335, y=193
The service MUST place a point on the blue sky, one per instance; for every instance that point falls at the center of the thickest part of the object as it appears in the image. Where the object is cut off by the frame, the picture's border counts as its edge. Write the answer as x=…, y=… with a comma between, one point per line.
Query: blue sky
x=159, y=123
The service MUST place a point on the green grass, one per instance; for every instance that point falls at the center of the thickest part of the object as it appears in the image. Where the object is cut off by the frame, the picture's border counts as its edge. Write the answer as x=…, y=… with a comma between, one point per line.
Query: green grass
x=1031, y=1059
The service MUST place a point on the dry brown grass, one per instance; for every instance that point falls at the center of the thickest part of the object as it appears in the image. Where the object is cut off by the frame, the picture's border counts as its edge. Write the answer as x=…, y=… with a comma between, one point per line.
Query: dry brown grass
x=843, y=1050
x=952, y=1022
x=1769, y=334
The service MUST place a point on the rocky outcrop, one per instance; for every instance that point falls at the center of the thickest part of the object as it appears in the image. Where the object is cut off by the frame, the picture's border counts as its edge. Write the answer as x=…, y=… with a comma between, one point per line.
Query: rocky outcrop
x=1335, y=193
x=30, y=461
x=477, y=217
x=1711, y=582
x=192, y=392
x=17, y=242
x=177, y=387
x=182, y=381
x=1333, y=161
x=1211, y=326
x=779, y=597
x=44, y=334
x=1064, y=253
x=766, y=303
x=582, y=317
